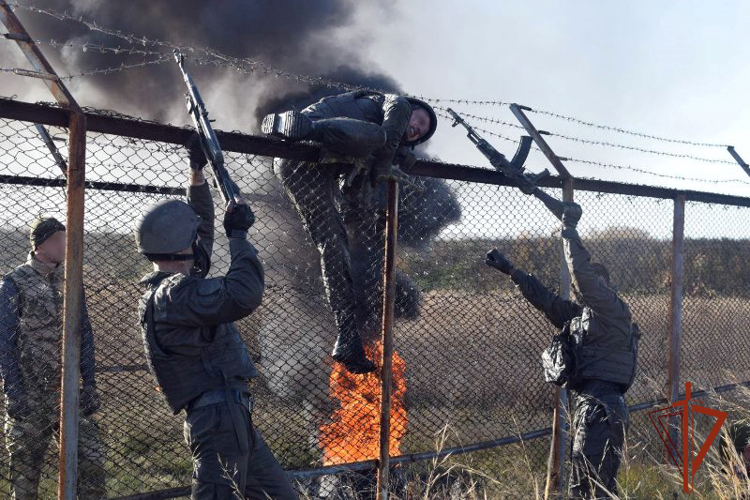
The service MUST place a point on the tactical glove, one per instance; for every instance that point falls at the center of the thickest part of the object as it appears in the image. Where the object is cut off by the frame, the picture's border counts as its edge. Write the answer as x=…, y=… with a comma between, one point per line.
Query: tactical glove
x=238, y=221
x=499, y=261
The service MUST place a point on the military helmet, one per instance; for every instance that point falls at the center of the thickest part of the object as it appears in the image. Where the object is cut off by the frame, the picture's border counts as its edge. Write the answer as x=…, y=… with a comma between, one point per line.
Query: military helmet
x=166, y=227
x=416, y=104
x=42, y=228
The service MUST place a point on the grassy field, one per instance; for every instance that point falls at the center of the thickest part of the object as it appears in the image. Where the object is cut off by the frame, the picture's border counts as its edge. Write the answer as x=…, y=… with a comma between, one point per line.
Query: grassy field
x=472, y=365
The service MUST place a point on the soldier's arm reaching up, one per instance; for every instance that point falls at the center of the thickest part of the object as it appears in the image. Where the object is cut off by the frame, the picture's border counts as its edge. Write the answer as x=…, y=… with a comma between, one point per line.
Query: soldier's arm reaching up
x=558, y=310
x=594, y=291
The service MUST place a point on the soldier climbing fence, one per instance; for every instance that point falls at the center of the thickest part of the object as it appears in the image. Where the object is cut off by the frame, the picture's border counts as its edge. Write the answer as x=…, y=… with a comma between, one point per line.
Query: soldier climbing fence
x=466, y=345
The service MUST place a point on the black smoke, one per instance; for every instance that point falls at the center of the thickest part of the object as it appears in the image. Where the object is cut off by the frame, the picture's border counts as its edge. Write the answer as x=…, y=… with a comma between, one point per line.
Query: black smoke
x=288, y=34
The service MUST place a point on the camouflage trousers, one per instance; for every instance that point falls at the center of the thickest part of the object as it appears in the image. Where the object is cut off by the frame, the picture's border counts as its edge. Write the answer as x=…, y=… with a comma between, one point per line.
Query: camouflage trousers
x=599, y=426
x=28, y=441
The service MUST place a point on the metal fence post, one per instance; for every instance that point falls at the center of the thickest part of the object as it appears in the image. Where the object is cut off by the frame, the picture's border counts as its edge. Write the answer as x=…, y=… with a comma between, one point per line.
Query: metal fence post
x=556, y=478
x=389, y=296
x=675, y=309
x=555, y=484
x=73, y=291
x=739, y=159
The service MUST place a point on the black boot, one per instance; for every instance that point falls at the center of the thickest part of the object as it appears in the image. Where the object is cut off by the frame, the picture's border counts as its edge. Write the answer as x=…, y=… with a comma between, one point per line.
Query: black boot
x=291, y=125
x=350, y=352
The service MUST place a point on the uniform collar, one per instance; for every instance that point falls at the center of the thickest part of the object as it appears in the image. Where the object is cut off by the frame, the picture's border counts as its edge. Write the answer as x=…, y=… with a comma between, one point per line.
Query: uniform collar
x=154, y=278
x=39, y=266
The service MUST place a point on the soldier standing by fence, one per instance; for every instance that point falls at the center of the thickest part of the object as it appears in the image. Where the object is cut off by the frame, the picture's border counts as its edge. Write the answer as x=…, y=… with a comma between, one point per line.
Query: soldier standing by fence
x=31, y=300
x=595, y=356
x=194, y=348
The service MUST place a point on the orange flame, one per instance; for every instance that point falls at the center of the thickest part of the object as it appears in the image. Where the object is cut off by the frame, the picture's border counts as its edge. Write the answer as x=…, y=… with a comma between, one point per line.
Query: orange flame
x=354, y=431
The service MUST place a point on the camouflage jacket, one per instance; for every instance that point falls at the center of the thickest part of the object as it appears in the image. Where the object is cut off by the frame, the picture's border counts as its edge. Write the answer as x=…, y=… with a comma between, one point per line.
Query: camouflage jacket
x=31, y=301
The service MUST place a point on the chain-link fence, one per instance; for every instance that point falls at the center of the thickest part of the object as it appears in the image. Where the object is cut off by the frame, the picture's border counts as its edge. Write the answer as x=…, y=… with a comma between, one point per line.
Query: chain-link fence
x=467, y=345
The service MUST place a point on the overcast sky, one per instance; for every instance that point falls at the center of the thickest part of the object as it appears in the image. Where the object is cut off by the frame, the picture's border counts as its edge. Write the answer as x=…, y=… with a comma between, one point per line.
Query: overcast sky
x=673, y=69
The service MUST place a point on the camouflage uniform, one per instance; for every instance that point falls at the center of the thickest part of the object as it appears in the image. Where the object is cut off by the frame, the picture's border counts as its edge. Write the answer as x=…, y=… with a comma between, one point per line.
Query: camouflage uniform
x=30, y=343
x=603, y=330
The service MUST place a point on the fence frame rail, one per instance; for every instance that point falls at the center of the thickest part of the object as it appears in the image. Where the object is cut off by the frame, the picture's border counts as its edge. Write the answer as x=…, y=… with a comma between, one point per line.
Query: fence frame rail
x=108, y=123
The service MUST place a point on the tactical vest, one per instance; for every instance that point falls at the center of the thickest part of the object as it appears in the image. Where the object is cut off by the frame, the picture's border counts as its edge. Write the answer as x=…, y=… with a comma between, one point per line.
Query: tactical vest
x=342, y=105
x=39, y=323
x=224, y=362
x=611, y=364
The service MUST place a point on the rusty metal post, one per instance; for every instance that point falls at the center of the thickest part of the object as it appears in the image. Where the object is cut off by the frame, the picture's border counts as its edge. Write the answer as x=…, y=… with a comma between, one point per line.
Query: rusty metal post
x=72, y=308
x=73, y=291
x=555, y=485
x=675, y=311
x=535, y=134
x=389, y=297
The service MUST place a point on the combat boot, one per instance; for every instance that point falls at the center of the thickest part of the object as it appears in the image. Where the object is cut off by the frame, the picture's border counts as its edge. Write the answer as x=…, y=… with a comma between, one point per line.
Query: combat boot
x=291, y=125
x=350, y=352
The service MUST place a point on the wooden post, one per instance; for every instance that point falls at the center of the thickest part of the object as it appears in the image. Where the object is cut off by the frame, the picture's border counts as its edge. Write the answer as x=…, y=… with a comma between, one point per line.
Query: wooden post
x=675, y=311
x=73, y=291
x=389, y=296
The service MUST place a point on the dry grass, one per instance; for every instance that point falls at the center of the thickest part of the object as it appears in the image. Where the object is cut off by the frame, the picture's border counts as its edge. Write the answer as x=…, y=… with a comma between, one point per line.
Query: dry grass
x=472, y=363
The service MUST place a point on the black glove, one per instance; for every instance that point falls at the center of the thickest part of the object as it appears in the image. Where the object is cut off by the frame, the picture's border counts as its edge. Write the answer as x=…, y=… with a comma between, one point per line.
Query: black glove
x=197, y=159
x=89, y=401
x=238, y=221
x=17, y=407
x=571, y=214
x=498, y=261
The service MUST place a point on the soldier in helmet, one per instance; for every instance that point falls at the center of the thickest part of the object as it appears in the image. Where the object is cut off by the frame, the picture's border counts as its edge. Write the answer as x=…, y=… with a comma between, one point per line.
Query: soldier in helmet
x=363, y=134
x=193, y=347
x=604, y=347
x=31, y=299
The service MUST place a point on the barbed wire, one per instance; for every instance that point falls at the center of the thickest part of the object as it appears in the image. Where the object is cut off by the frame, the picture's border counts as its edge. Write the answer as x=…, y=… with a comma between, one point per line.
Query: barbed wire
x=468, y=102
x=245, y=65
x=593, y=142
x=655, y=174
x=117, y=69
x=98, y=71
x=485, y=119
x=626, y=131
x=442, y=114
x=608, y=165
x=248, y=65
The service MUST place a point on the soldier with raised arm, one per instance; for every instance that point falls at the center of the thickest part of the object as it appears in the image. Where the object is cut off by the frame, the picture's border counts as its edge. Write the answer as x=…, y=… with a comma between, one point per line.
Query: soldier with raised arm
x=193, y=347
x=603, y=352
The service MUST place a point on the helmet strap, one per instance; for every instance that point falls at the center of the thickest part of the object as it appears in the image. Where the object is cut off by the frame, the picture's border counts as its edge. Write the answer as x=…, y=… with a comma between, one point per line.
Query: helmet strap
x=169, y=256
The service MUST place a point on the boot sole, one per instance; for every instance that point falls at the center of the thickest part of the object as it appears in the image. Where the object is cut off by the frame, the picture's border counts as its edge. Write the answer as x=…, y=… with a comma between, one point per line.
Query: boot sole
x=291, y=125
x=357, y=367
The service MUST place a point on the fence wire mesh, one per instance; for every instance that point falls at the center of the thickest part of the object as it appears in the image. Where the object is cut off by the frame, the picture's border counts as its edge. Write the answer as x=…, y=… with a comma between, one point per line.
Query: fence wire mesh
x=467, y=344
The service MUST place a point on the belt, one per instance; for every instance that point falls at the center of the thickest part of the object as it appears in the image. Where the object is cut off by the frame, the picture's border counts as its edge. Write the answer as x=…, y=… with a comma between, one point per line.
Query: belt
x=218, y=396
